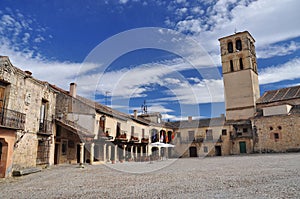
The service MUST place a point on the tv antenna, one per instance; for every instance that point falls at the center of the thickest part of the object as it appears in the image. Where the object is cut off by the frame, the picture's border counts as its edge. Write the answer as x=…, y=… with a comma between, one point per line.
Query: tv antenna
x=144, y=108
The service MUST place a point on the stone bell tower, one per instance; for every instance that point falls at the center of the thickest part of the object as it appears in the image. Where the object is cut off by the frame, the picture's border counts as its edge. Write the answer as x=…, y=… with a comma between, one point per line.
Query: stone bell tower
x=240, y=76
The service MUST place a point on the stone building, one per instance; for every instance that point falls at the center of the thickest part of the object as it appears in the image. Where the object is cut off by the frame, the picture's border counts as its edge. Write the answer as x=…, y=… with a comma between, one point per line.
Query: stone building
x=27, y=108
x=253, y=124
x=277, y=121
x=89, y=132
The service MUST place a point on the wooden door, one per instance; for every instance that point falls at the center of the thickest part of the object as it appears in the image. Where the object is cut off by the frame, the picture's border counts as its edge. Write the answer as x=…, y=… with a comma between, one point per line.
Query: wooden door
x=2, y=97
x=243, y=148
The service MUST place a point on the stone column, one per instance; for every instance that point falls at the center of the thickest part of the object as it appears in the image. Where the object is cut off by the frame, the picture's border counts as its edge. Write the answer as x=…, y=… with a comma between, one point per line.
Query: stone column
x=104, y=152
x=124, y=151
x=109, y=153
x=81, y=154
x=116, y=153
x=142, y=151
x=131, y=151
x=159, y=152
x=92, y=153
x=136, y=152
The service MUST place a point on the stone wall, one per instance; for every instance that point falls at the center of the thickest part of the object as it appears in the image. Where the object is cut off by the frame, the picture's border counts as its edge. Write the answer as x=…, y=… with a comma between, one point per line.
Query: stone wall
x=278, y=133
x=25, y=94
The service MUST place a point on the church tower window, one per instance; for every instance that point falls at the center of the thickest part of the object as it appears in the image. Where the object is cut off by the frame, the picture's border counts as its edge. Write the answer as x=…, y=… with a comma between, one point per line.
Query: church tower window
x=238, y=44
x=241, y=64
x=230, y=47
x=231, y=66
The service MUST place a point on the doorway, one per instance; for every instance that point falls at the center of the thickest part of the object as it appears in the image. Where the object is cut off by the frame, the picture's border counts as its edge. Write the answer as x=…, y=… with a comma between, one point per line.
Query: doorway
x=56, y=154
x=193, y=151
x=243, y=148
x=218, y=150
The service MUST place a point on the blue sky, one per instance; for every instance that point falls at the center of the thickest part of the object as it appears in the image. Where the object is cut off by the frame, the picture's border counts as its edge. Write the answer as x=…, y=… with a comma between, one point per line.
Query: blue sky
x=176, y=72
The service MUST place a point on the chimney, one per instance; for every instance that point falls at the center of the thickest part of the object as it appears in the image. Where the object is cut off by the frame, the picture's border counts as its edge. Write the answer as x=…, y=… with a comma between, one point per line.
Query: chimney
x=73, y=89
x=28, y=72
x=135, y=114
x=190, y=118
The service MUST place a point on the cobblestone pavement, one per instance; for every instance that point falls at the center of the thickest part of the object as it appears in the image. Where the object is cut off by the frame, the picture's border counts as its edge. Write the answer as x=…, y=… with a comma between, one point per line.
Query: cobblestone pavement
x=254, y=176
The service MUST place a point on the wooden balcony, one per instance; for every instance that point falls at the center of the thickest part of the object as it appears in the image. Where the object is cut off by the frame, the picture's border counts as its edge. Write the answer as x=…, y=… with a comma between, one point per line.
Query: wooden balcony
x=45, y=127
x=134, y=139
x=145, y=140
x=122, y=137
x=12, y=119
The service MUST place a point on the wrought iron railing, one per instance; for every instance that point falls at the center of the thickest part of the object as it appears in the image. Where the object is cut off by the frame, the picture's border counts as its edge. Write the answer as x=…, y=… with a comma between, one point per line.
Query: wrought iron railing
x=45, y=127
x=12, y=119
x=241, y=135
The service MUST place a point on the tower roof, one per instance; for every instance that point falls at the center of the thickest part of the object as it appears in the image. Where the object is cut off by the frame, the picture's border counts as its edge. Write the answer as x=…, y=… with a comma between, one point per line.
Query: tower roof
x=237, y=34
x=282, y=94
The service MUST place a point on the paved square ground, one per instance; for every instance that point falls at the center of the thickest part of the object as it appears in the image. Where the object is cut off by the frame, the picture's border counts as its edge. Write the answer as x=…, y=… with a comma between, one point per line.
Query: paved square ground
x=254, y=176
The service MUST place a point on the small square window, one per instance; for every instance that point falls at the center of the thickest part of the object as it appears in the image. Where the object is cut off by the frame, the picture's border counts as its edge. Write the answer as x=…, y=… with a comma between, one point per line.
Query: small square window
x=279, y=127
x=205, y=149
x=271, y=128
x=276, y=136
x=224, y=132
x=245, y=130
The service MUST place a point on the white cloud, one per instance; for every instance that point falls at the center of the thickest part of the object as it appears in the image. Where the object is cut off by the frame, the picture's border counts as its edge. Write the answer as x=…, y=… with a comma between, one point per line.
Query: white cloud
x=123, y=1
x=269, y=21
x=287, y=71
x=278, y=50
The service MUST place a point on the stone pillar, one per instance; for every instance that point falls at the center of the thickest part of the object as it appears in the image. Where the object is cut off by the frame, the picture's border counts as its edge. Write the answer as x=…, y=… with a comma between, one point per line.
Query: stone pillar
x=159, y=152
x=116, y=153
x=142, y=151
x=104, y=152
x=136, y=152
x=131, y=151
x=109, y=153
x=81, y=154
x=92, y=153
x=124, y=151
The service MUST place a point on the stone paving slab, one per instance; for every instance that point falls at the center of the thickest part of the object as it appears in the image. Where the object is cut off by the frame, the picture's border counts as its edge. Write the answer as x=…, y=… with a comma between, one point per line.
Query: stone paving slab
x=254, y=176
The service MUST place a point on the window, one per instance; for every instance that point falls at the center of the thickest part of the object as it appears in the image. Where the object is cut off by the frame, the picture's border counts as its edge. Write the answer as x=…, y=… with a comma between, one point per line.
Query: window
x=238, y=44
x=271, y=128
x=191, y=135
x=143, y=133
x=245, y=130
x=231, y=66
x=224, y=132
x=43, y=115
x=132, y=131
x=178, y=135
x=205, y=149
x=241, y=64
x=230, y=47
x=64, y=147
x=276, y=136
x=154, y=136
x=279, y=127
x=118, y=129
x=209, y=135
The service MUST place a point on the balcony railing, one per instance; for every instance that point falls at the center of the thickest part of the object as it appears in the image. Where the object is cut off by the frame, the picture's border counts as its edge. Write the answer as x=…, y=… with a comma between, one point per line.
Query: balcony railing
x=241, y=135
x=134, y=139
x=45, y=127
x=12, y=119
x=145, y=140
